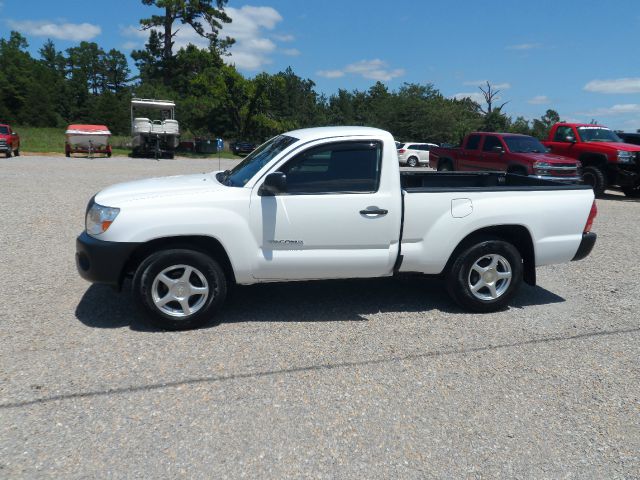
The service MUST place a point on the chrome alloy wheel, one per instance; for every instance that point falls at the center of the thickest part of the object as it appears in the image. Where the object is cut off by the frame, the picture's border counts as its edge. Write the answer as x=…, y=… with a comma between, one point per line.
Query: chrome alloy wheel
x=490, y=277
x=179, y=291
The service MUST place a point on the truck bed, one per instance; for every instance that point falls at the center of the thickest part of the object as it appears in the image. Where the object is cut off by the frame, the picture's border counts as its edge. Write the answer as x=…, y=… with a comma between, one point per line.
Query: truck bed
x=477, y=181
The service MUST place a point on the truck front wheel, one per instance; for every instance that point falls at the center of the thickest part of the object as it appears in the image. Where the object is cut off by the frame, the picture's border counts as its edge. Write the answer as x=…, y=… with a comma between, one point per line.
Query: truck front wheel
x=179, y=289
x=596, y=178
x=485, y=275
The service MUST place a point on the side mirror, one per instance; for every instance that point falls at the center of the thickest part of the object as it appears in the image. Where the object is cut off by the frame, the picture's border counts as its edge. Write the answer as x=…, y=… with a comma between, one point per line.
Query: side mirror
x=570, y=139
x=497, y=149
x=274, y=184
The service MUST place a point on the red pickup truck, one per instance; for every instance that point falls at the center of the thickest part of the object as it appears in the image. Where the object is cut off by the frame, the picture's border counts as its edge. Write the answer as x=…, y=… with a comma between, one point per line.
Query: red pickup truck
x=9, y=141
x=506, y=152
x=606, y=159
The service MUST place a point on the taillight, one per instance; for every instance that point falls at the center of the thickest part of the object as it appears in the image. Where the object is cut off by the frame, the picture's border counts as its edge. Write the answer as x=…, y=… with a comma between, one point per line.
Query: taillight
x=402, y=150
x=592, y=216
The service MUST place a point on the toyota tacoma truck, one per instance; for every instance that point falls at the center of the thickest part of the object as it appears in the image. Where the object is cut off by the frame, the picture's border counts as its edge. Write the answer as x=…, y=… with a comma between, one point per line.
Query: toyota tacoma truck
x=327, y=203
x=506, y=152
x=606, y=159
x=9, y=141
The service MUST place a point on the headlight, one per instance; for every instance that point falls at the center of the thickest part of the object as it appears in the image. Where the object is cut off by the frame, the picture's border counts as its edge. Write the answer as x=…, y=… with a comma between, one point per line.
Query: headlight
x=625, y=157
x=99, y=218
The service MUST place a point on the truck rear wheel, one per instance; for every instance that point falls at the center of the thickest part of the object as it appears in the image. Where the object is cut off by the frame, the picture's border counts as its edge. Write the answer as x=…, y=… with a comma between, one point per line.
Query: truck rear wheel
x=179, y=289
x=596, y=178
x=485, y=276
x=445, y=166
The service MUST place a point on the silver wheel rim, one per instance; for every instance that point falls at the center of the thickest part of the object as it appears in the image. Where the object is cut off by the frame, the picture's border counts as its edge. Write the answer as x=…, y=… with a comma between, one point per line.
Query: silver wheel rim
x=412, y=162
x=490, y=277
x=180, y=291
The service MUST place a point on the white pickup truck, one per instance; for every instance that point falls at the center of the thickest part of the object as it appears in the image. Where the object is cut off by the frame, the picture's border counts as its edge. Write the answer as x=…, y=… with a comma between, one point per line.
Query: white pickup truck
x=327, y=203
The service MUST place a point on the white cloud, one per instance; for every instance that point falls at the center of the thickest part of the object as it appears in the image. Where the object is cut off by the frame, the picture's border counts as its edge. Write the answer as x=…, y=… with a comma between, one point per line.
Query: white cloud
x=60, y=31
x=291, y=52
x=330, y=73
x=617, y=85
x=620, y=109
x=372, y=69
x=524, y=46
x=284, y=38
x=539, y=100
x=252, y=49
x=475, y=96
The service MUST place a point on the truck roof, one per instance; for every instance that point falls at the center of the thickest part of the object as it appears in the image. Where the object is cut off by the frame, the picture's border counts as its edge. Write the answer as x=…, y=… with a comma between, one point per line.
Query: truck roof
x=580, y=124
x=500, y=134
x=323, y=132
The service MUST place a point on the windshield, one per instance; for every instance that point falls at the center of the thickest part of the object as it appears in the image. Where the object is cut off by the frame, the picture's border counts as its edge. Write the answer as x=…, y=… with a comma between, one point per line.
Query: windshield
x=598, y=134
x=245, y=170
x=4, y=130
x=524, y=145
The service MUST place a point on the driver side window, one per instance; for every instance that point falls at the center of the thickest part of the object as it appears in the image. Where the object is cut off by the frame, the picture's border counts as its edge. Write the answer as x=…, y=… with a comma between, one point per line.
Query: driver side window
x=562, y=133
x=345, y=167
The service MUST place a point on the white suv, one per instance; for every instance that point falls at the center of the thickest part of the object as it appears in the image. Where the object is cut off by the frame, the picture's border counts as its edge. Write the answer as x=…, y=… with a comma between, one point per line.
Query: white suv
x=413, y=154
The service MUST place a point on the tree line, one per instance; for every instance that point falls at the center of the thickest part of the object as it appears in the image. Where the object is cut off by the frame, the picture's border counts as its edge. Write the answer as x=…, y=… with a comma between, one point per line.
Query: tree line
x=87, y=84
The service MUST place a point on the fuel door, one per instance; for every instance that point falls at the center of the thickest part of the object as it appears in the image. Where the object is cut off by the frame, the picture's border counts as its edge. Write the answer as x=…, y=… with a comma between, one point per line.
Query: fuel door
x=461, y=207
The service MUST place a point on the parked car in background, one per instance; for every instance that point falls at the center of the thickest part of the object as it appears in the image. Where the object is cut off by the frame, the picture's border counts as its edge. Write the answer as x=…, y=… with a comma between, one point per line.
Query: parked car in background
x=414, y=154
x=242, y=147
x=606, y=158
x=633, y=138
x=506, y=152
x=328, y=203
x=9, y=141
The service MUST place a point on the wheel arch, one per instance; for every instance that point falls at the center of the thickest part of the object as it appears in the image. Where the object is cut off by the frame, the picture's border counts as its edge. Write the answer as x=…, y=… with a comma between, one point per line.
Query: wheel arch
x=208, y=245
x=518, y=235
x=591, y=159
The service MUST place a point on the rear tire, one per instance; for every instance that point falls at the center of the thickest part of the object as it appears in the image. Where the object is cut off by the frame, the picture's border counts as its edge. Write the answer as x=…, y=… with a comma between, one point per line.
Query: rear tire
x=179, y=289
x=485, y=276
x=445, y=166
x=412, y=162
x=596, y=178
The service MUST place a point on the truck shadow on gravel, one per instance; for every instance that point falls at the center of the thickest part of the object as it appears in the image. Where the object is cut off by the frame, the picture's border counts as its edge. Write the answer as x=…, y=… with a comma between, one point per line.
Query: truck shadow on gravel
x=319, y=301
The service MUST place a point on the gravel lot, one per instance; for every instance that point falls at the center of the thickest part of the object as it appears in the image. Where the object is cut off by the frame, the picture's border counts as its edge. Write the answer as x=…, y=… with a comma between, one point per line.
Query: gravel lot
x=344, y=379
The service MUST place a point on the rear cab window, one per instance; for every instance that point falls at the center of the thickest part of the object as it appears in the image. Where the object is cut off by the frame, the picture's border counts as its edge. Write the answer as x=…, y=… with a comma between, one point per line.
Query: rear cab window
x=473, y=142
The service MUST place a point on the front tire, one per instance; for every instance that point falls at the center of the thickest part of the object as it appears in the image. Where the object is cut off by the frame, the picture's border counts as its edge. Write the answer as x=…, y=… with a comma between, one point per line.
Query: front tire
x=412, y=162
x=8, y=153
x=179, y=289
x=596, y=178
x=485, y=276
x=17, y=152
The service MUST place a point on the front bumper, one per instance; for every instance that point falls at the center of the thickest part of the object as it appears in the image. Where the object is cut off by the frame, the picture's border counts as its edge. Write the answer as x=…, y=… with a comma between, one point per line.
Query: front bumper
x=586, y=245
x=102, y=262
x=577, y=179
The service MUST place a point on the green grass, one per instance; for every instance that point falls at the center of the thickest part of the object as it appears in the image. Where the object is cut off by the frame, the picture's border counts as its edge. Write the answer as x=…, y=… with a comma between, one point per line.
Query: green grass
x=51, y=140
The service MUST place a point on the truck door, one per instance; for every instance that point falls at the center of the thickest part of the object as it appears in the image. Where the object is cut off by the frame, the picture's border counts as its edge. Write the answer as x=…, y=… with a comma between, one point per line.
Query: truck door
x=560, y=145
x=338, y=217
x=470, y=155
x=491, y=158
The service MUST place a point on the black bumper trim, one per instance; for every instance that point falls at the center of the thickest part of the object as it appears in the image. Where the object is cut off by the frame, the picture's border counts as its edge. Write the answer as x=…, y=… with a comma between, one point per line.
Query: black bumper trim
x=102, y=262
x=586, y=245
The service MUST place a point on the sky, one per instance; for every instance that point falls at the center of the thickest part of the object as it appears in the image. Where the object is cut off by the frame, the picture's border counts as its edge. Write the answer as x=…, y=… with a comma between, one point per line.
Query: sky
x=576, y=56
